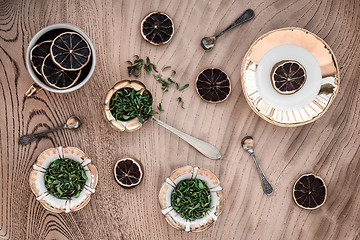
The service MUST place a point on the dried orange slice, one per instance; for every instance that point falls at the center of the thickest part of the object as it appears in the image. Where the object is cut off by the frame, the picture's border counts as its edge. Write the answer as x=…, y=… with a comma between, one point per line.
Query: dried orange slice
x=157, y=28
x=309, y=191
x=38, y=54
x=213, y=85
x=57, y=77
x=288, y=77
x=128, y=172
x=70, y=51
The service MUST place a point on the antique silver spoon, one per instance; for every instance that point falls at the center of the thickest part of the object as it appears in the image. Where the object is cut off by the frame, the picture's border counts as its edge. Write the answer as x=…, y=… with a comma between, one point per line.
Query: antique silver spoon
x=208, y=43
x=71, y=123
x=205, y=148
x=248, y=144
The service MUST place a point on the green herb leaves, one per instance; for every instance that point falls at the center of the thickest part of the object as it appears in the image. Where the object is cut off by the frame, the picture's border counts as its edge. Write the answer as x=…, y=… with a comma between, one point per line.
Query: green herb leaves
x=135, y=68
x=65, y=178
x=127, y=104
x=191, y=199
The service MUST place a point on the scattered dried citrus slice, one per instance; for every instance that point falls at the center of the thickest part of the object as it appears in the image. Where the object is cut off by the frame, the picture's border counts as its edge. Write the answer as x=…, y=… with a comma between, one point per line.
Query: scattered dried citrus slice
x=128, y=172
x=288, y=77
x=70, y=51
x=157, y=28
x=213, y=85
x=57, y=77
x=38, y=54
x=309, y=191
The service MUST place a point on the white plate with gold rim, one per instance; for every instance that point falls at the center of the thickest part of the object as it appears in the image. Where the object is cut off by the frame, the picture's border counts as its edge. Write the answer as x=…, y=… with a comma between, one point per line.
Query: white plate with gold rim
x=216, y=193
x=37, y=182
x=306, y=86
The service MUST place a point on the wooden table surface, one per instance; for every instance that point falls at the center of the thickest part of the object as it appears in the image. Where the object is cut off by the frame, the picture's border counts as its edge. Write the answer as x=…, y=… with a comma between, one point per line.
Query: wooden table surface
x=328, y=147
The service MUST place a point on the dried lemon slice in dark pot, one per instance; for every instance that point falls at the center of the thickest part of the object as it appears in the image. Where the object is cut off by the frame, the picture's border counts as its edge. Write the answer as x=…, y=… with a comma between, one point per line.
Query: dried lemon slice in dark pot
x=38, y=54
x=213, y=85
x=57, y=77
x=157, y=28
x=309, y=191
x=128, y=172
x=288, y=77
x=70, y=51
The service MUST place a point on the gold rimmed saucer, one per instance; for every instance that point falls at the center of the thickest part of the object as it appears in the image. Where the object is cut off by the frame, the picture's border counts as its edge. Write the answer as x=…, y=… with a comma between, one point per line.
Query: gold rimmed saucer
x=319, y=90
x=37, y=182
x=216, y=193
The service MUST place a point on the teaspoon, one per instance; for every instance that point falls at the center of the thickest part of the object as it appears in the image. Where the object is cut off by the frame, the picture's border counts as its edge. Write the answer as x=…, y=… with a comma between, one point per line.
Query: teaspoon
x=71, y=123
x=248, y=144
x=208, y=43
x=205, y=148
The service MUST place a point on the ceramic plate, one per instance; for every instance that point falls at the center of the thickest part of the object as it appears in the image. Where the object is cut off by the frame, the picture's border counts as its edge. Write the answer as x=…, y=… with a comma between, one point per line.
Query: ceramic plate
x=303, y=52
x=216, y=193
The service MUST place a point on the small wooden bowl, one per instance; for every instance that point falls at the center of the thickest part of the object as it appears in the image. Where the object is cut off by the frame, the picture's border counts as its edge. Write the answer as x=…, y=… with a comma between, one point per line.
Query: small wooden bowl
x=132, y=124
x=217, y=199
x=37, y=182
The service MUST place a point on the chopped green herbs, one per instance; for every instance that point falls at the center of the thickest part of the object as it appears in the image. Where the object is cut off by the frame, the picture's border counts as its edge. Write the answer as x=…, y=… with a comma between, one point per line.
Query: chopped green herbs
x=181, y=101
x=191, y=199
x=160, y=107
x=65, y=178
x=165, y=67
x=135, y=68
x=183, y=87
x=149, y=65
x=127, y=104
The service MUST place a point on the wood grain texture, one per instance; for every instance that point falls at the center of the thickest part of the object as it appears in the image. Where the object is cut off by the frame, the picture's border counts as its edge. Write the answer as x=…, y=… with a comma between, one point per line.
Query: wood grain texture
x=328, y=147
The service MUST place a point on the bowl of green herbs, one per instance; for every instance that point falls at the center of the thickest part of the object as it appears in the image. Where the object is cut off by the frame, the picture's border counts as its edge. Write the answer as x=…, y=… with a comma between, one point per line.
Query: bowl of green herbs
x=128, y=105
x=63, y=179
x=191, y=199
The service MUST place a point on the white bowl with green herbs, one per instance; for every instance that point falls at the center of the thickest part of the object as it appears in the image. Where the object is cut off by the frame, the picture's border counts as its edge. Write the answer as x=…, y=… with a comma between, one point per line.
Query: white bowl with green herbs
x=191, y=199
x=63, y=179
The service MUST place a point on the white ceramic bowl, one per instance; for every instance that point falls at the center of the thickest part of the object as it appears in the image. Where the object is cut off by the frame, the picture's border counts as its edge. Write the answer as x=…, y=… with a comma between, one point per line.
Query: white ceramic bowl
x=37, y=182
x=32, y=43
x=217, y=199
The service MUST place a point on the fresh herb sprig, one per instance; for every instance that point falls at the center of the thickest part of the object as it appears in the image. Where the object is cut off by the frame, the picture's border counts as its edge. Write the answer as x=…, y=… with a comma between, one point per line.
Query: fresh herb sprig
x=65, y=178
x=135, y=68
x=149, y=66
x=191, y=199
x=127, y=104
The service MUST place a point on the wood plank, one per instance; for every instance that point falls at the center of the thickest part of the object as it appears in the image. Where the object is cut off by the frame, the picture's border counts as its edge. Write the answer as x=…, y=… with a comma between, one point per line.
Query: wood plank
x=329, y=147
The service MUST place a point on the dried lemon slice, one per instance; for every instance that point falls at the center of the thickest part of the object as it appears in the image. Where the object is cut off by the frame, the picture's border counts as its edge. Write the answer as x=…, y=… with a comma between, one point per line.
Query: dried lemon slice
x=57, y=77
x=157, y=28
x=38, y=54
x=213, y=85
x=288, y=77
x=309, y=191
x=128, y=172
x=70, y=51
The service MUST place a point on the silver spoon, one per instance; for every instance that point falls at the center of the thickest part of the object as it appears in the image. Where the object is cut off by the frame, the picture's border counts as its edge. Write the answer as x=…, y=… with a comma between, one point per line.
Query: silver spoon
x=208, y=43
x=205, y=148
x=248, y=144
x=71, y=123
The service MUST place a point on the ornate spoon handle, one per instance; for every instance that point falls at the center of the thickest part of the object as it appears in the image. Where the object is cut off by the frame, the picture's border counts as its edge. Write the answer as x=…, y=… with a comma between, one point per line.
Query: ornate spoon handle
x=246, y=16
x=205, y=148
x=267, y=188
x=31, y=137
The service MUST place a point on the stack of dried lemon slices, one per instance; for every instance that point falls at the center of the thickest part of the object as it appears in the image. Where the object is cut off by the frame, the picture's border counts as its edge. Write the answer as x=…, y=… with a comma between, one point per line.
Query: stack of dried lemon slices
x=59, y=61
